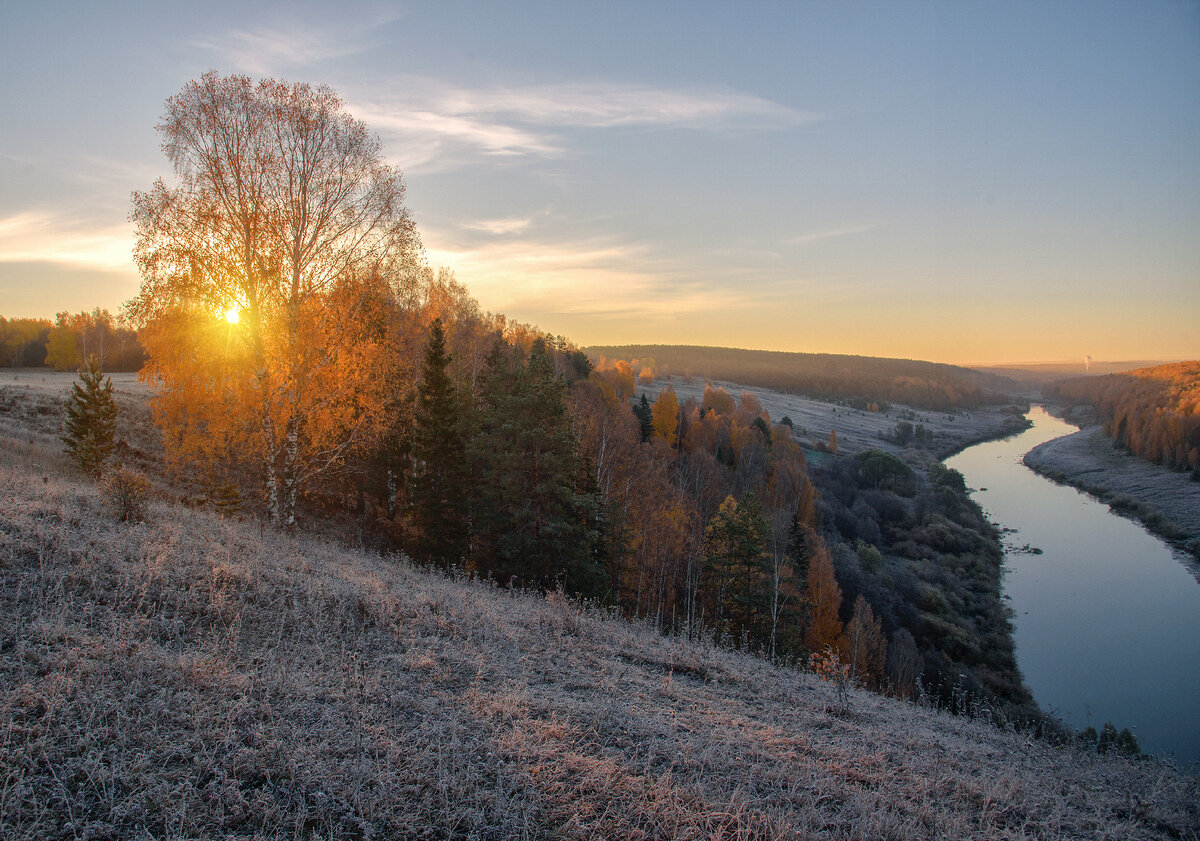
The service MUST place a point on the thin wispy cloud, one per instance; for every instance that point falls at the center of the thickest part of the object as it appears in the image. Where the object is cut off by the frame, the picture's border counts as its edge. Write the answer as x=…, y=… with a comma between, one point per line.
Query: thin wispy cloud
x=817, y=236
x=35, y=236
x=425, y=135
x=265, y=52
x=609, y=105
x=600, y=278
x=270, y=50
x=431, y=119
x=500, y=227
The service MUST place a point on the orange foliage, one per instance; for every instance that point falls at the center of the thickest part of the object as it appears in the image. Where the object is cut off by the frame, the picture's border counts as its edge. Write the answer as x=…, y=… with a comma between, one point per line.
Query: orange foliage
x=665, y=416
x=824, y=598
x=1155, y=412
x=863, y=645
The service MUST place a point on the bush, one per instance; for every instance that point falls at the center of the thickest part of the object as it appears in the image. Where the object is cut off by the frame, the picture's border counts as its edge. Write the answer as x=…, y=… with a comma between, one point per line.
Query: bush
x=126, y=493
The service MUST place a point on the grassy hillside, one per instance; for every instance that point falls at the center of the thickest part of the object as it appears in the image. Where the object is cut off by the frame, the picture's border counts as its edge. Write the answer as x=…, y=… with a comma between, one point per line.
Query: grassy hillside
x=199, y=677
x=831, y=376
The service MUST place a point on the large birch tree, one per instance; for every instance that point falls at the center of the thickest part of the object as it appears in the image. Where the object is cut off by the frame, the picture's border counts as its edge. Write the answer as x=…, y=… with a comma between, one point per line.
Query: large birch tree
x=286, y=219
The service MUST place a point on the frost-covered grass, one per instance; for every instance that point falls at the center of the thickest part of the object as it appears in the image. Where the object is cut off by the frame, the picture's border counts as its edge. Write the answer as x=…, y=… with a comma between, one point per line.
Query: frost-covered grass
x=193, y=677
x=857, y=429
x=1166, y=501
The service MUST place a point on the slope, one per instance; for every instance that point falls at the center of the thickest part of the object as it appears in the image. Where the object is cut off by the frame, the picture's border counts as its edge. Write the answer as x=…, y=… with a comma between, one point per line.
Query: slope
x=199, y=677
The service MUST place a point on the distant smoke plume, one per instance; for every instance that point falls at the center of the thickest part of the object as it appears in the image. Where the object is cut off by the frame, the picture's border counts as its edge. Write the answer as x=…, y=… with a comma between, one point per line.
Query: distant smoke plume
x=1087, y=362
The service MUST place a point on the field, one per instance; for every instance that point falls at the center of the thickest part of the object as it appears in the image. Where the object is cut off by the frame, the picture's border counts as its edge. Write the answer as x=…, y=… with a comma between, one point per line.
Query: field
x=193, y=676
x=857, y=429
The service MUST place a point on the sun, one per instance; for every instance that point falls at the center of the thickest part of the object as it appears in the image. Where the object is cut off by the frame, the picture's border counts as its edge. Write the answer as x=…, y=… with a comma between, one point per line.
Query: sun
x=231, y=315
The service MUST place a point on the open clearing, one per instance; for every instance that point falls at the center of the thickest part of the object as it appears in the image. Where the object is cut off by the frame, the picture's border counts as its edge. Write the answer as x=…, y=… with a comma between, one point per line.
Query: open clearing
x=857, y=429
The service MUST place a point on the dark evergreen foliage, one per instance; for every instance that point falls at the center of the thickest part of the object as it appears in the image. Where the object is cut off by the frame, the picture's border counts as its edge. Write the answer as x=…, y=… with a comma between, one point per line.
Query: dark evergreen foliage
x=534, y=515
x=735, y=581
x=90, y=427
x=645, y=415
x=441, y=473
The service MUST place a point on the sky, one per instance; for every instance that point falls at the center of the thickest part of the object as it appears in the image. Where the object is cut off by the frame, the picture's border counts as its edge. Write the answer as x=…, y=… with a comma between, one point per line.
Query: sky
x=968, y=182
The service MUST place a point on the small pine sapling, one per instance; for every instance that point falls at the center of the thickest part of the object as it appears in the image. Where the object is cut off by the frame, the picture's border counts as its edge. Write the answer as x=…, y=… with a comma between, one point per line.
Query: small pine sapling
x=89, y=429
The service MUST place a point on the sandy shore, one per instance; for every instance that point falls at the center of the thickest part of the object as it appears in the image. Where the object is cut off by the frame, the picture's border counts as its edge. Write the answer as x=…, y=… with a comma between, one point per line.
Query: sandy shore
x=1168, y=503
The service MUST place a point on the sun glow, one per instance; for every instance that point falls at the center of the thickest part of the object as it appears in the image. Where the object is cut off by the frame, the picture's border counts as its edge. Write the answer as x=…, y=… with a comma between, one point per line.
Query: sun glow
x=231, y=315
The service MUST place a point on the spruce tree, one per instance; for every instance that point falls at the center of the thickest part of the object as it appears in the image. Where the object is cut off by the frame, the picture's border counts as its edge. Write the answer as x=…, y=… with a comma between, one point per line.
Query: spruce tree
x=89, y=430
x=534, y=515
x=645, y=416
x=440, y=477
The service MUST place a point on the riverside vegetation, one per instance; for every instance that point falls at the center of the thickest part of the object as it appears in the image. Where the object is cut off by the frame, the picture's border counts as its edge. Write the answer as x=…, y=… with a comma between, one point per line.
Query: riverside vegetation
x=195, y=675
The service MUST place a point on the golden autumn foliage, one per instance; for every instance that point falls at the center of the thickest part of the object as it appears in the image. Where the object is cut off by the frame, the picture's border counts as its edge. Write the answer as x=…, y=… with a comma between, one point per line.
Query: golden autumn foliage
x=665, y=416
x=286, y=213
x=863, y=645
x=824, y=599
x=717, y=399
x=1155, y=412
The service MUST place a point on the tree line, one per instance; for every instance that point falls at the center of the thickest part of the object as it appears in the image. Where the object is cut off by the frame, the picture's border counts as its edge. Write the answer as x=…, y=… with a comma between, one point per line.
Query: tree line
x=1153, y=412
x=65, y=343
x=858, y=380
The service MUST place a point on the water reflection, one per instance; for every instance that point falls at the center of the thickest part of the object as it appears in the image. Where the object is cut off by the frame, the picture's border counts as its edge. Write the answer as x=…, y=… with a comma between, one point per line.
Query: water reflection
x=1107, y=618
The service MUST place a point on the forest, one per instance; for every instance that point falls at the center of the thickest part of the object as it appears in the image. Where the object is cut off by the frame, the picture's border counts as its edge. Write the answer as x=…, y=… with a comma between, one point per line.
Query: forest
x=64, y=344
x=858, y=380
x=1153, y=413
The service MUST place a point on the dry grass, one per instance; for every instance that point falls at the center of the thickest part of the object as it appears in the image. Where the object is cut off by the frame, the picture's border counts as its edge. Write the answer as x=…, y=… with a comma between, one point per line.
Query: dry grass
x=195, y=677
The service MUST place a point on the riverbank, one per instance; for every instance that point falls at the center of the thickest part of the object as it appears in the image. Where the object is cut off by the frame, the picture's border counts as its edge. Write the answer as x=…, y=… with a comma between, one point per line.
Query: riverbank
x=1165, y=501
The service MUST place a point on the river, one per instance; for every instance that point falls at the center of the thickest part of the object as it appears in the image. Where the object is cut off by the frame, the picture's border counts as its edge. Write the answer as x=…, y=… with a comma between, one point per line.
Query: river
x=1107, y=619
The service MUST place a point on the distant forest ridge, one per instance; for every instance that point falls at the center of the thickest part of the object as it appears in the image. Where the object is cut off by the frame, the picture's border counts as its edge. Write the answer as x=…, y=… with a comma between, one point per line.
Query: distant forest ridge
x=1152, y=412
x=831, y=376
x=1046, y=372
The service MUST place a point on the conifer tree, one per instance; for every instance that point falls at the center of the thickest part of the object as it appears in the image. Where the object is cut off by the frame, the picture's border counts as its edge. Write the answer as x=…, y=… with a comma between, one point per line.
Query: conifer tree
x=441, y=473
x=533, y=514
x=824, y=601
x=735, y=579
x=91, y=423
x=645, y=416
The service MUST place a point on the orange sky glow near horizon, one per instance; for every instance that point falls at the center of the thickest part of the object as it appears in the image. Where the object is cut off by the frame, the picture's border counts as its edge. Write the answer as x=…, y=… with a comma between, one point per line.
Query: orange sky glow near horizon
x=960, y=183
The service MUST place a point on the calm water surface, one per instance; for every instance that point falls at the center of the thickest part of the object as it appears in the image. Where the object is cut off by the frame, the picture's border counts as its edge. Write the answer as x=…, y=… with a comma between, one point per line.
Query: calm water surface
x=1107, y=619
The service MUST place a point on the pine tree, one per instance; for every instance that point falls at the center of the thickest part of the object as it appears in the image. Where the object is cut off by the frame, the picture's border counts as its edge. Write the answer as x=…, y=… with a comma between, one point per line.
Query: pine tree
x=441, y=474
x=91, y=423
x=736, y=574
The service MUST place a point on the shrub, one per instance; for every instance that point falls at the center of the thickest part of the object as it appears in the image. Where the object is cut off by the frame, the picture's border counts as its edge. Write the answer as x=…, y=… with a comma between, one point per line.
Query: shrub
x=126, y=493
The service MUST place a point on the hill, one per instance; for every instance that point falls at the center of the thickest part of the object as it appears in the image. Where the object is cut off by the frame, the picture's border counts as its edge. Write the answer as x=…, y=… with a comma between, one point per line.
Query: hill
x=1152, y=412
x=193, y=676
x=1043, y=373
x=858, y=379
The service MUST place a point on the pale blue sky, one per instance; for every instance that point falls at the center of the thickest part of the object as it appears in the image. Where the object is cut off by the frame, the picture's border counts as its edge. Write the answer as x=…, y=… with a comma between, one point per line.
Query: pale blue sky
x=958, y=181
